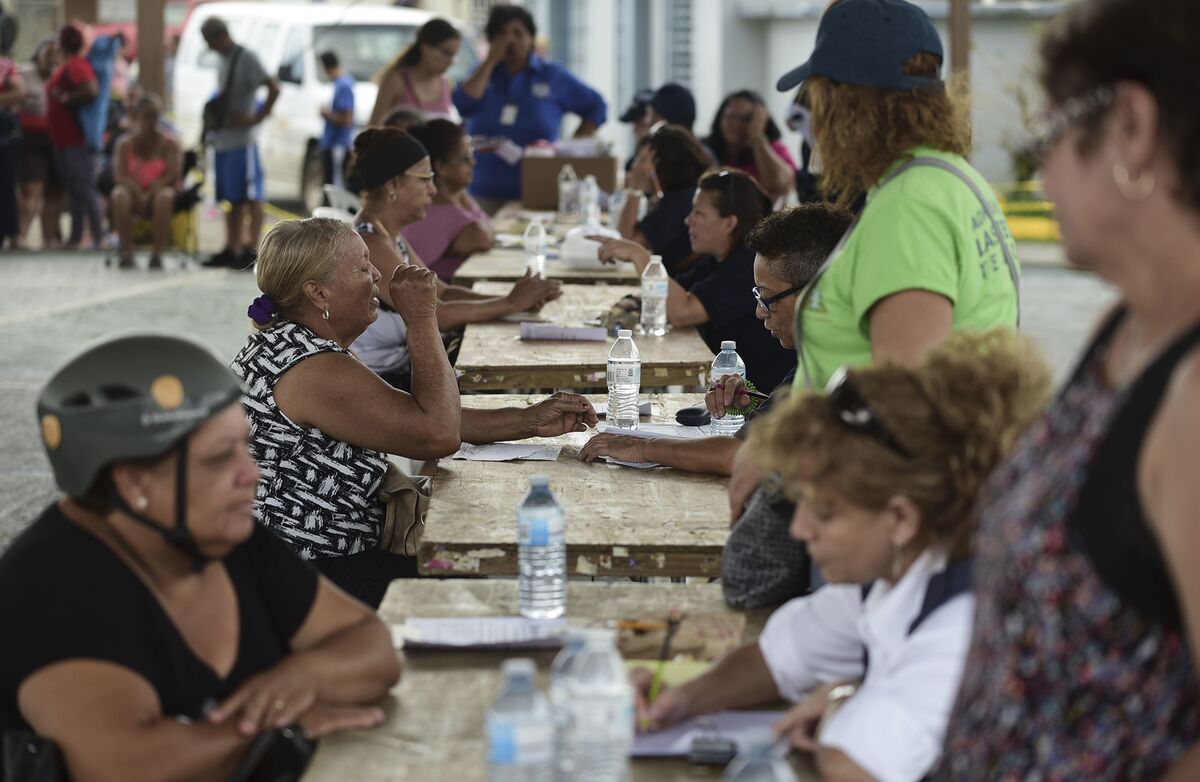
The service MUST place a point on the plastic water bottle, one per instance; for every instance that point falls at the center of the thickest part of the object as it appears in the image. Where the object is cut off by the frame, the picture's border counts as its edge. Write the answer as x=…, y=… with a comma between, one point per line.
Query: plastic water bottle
x=589, y=201
x=568, y=193
x=535, y=248
x=624, y=382
x=757, y=762
x=520, y=728
x=541, y=553
x=601, y=704
x=560, y=702
x=654, y=298
x=616, y=205
x=727, y=362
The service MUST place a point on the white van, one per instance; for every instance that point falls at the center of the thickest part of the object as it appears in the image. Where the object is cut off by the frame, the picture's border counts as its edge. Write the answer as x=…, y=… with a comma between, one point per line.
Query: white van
x=288, y=37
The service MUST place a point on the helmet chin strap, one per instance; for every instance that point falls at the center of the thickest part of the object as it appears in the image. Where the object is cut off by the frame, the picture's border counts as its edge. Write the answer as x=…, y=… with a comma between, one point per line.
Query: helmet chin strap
x=178, y=535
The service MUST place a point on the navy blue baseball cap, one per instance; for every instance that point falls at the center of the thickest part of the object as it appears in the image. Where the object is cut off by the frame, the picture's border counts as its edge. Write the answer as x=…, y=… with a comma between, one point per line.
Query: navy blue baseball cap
x=675, y=103
x=868, y=42
x=637, y=108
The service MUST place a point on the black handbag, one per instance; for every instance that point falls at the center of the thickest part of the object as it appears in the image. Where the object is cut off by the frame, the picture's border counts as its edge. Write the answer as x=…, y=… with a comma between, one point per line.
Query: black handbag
x=216, y=110
x=26, y=757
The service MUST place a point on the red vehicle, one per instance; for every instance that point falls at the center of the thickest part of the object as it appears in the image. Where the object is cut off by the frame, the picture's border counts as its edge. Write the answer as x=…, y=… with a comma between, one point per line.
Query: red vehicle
x=175, y=15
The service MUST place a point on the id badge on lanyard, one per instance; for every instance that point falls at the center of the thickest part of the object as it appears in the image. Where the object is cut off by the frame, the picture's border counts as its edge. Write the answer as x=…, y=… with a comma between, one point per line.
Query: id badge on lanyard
x=508, y=114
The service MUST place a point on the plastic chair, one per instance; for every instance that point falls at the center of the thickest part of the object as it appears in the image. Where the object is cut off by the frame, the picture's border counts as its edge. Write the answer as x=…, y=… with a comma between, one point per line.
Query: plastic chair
x=341, y=199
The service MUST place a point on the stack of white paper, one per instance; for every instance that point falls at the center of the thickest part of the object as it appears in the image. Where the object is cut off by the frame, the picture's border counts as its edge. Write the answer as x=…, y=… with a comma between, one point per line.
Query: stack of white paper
x=508, y=452
x=480, y=632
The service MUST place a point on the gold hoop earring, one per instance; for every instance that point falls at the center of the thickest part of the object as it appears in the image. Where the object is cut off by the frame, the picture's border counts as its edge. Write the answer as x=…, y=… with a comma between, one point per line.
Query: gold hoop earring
x=1136, y=190
x=325, y=313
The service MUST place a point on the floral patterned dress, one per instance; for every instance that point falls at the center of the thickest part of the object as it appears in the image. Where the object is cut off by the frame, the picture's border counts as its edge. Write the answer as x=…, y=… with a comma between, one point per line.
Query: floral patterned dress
x=1067, y=679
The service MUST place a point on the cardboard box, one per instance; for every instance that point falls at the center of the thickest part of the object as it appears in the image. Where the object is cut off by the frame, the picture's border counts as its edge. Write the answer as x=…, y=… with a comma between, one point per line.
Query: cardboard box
x=539, y=177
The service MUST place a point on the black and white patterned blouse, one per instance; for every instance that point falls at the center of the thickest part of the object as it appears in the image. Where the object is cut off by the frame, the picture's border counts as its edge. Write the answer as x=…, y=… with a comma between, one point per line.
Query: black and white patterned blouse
x=317, y=493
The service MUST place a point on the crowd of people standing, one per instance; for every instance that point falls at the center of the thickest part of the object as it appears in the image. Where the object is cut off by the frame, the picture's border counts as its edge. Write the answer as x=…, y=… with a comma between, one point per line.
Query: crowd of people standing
x=971, y=578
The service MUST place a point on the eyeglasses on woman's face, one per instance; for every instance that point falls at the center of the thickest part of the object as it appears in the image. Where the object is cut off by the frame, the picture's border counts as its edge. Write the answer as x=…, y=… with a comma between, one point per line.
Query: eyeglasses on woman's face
x=1049, y=127
x=850, y=409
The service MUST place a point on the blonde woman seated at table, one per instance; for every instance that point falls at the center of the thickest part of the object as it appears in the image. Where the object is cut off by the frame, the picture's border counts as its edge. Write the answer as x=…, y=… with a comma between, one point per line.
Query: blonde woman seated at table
x=716, y=292
x=322, y=422
x=885, y=468
x=790, y=246
x=454, y=227
x=397, y=178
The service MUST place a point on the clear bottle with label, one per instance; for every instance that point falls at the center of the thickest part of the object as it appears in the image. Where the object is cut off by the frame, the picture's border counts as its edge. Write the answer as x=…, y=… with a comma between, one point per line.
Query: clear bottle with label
x=727, y=362
x=654, y=298
x=757, y=761
x=535, y=248
x=601, y=703
x=541, y=553
x=560, y=702
x=624, y=382
x=520, y=728
x=589, y=201
x=568, y=193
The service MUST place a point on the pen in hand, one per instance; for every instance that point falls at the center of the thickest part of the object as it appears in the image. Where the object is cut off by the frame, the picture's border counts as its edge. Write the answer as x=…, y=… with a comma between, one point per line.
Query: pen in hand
x=673, y=620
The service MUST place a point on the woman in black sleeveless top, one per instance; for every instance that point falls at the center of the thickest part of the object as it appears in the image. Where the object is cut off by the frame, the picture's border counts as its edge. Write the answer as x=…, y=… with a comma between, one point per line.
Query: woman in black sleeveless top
x=1088, y=613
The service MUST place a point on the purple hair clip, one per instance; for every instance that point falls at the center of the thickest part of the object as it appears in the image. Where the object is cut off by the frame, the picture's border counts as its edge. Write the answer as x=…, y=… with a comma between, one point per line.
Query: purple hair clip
x=262, y=310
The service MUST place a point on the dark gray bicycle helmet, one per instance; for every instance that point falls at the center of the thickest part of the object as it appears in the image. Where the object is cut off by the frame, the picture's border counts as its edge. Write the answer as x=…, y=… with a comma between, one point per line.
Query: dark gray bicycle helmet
x=132, y=397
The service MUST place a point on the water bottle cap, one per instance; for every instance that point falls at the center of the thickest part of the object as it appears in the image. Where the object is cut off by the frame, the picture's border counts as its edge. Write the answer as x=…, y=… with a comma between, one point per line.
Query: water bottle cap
x=729, y=344
x=655, y=259
x=539, y=481
x=518, y=666
x=624, y=333
x=756, y=742
x=599, y=635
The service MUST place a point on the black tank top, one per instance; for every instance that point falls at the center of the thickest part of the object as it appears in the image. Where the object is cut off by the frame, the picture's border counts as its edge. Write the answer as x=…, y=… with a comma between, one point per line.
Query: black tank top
x=1108, y=524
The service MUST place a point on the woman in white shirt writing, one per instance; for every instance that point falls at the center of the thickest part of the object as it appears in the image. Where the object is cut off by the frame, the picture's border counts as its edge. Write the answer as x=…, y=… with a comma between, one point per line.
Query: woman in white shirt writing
x=885, y=468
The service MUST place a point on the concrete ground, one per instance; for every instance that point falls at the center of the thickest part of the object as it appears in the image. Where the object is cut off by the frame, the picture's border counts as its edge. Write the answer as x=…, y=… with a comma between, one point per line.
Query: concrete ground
x=56, y=302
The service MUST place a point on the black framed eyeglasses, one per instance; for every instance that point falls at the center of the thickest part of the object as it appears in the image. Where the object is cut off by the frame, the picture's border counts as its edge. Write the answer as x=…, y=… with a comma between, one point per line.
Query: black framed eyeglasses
x=853, y=412
x=1048, y=127
x=767, y=302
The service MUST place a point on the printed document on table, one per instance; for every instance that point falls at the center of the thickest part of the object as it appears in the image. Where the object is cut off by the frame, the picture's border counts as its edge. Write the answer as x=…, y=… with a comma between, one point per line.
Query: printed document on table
x=676, y=742
x=481, y=631
x=508, y=452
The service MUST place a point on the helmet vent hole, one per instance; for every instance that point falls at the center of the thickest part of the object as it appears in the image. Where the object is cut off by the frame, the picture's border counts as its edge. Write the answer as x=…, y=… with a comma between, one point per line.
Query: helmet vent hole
x=118, y=393
x=77, y=400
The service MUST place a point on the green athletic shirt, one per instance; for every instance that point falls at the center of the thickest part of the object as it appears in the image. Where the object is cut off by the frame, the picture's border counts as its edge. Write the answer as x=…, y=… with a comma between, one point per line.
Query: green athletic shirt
x=924, y=230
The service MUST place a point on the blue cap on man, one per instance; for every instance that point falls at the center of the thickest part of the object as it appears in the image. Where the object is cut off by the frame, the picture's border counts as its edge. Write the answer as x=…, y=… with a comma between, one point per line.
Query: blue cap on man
x=867, y=43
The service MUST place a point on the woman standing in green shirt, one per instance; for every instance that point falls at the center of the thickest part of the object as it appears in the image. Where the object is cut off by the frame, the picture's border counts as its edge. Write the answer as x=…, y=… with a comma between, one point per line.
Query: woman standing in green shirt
x=930, y=252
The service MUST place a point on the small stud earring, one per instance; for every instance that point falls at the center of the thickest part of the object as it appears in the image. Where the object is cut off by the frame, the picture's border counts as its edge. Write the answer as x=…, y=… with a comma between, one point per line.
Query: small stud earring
x=325, y=314
x=142, y=503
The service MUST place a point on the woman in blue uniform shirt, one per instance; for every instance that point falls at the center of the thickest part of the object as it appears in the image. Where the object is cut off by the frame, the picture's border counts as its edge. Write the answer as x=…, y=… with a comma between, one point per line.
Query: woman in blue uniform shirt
x=517, y=95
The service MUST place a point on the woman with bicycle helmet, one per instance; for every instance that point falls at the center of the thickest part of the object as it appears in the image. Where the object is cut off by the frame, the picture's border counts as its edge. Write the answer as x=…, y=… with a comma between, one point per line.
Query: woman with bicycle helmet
x=155, y=629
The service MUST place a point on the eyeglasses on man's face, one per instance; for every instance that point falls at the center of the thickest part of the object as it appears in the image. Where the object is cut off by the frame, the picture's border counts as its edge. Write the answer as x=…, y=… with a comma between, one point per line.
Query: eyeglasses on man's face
x=768, y=302
x=850, y=408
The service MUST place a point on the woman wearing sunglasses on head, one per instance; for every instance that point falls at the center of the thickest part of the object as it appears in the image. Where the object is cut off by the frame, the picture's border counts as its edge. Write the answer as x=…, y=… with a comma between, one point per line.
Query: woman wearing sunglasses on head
x=1083, y=664
x=888, y=463
x=714, y=293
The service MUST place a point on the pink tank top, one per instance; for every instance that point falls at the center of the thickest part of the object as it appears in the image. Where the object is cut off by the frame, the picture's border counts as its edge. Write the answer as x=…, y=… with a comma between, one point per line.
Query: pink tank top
x=440, y=107
x=143, y=171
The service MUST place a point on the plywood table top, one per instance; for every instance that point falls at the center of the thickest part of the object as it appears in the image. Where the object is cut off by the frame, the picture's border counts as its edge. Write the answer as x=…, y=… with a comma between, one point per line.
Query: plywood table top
x=435, y=716
x=493, y=356
x=621, y=521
